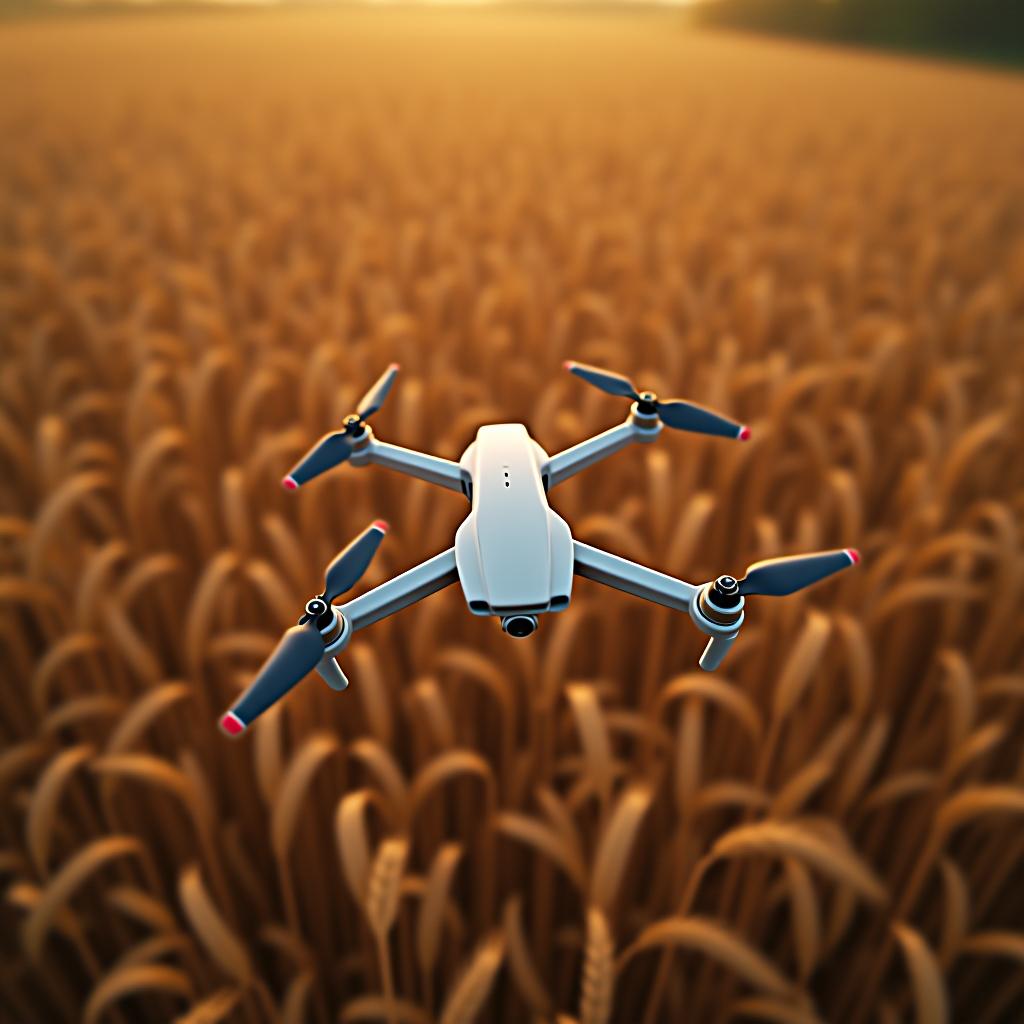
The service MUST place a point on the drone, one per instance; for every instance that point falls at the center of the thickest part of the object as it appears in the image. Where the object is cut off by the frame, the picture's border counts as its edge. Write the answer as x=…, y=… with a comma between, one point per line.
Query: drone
x=514, y=556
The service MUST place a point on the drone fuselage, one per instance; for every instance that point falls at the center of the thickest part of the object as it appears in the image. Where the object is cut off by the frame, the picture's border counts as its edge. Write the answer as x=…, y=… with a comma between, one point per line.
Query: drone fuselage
x=513, y=553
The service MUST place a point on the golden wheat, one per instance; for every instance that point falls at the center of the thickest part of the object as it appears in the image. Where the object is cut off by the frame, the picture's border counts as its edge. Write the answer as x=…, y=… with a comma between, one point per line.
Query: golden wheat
x=215, y=231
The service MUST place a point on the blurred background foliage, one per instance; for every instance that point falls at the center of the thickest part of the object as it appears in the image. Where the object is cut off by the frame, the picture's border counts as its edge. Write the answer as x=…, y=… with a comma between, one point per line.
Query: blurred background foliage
x=985, y=29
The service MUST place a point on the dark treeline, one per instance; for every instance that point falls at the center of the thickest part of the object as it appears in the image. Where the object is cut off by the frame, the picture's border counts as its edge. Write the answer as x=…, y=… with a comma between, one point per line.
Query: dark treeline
x=987, y=29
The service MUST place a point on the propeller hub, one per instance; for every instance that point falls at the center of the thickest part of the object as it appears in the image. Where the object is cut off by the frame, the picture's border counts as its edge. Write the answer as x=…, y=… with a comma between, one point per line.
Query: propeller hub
x=725, y=592
x=353, y=425
x=321, y=611
x=647, y=403
x=719, y=605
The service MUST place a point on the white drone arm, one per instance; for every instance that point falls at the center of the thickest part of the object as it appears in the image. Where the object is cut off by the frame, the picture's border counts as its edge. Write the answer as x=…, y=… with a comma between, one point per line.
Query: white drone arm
x=354, y=442
x=569, y=462
x=384, y=600
x=638, y=580
x=442, y=472
x=631, y=578
x=411, y=586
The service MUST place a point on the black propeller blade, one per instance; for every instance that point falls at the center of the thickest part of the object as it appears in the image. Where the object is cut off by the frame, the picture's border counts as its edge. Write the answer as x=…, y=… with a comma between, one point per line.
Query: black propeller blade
x=698, y=420
x=296, y=654
x=611, y=383
x=330, y=451
x=350, y=564
x=374, y=398
x=675, y=412
x=777, y=577
x=334, y=448
x=301, y=648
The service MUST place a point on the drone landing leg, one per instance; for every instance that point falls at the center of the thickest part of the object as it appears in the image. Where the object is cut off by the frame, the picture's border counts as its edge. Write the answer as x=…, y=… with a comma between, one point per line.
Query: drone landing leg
x=717, y=648
x=330, y=672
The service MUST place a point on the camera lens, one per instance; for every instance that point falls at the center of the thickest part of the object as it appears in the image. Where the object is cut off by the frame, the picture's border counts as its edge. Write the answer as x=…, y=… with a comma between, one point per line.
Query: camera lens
x=519, y=625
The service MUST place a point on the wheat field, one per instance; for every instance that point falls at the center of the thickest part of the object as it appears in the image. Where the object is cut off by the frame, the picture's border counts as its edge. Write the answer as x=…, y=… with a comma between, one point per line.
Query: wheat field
x=216, y=230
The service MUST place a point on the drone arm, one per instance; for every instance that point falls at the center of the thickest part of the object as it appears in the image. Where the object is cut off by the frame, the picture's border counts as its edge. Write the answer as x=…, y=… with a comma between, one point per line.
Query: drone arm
x=638, y=580
x=386, y=599
x=276, y=679
x=398, y=593
x=613, y=571
x=569, y=462
x=442, y=472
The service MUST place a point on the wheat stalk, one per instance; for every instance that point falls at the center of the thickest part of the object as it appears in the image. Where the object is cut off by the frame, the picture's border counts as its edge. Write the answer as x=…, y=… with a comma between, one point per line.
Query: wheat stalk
x=597, y=990
x=470, y=993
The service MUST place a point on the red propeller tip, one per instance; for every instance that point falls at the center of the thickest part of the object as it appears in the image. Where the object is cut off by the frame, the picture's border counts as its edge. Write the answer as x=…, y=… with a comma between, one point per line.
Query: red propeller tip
x=744, y=434
x=568, y=364
x=289, y=483
x=381, y=525
x=854, y=555
x=395, y=366
x=232, y=724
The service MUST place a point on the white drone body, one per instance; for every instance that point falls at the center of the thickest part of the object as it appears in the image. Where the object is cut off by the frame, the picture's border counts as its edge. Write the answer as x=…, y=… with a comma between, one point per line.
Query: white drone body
x=510, y=515
x=513, y=556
